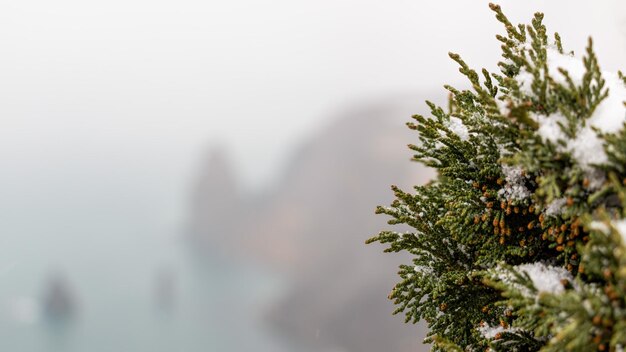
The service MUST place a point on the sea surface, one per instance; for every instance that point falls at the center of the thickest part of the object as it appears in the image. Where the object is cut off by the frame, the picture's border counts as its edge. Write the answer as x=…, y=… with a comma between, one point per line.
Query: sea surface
x=131, y=285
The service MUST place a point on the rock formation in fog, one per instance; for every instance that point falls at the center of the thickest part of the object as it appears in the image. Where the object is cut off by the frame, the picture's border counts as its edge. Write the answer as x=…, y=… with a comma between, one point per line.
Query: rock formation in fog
x=216, y=203
x=59, y=300
x=165, y=289
x=312, y=228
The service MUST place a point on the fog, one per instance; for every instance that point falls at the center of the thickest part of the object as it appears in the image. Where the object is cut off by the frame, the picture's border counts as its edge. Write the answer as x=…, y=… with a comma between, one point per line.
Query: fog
x=109, y=111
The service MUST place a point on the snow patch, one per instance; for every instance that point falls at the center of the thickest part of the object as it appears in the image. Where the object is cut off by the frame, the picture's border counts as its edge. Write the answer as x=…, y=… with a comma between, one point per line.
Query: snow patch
x=599, y=226
x=422, y=269
x=525, y=80
x=457, y=127
x=555, y=207
x=515, y=187
x=549, y=128
x=490, y=332
x=618, y=225
x=545, y=278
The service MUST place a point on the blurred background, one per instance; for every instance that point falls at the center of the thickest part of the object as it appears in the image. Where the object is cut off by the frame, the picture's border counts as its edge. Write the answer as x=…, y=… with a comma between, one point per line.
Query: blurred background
x=201, y=175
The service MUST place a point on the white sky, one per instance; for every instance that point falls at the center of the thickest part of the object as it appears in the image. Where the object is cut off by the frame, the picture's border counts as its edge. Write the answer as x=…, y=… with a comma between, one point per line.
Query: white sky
x=125, y=95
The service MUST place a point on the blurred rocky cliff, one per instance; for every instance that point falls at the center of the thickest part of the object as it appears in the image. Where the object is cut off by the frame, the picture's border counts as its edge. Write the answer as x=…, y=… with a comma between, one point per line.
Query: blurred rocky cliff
x=312, y=226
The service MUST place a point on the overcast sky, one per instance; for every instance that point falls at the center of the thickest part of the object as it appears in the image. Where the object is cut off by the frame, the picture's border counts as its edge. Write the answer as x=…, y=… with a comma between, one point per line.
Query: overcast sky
x=127, y=94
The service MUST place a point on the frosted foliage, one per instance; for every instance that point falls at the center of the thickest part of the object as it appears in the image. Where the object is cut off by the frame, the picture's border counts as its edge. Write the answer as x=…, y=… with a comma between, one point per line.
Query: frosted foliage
x=515, y=187
x=586, y=148
x=456, y=125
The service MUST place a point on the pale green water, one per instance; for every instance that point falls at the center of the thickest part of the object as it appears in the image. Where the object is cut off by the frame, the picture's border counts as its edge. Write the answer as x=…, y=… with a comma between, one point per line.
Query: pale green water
x=112, y=267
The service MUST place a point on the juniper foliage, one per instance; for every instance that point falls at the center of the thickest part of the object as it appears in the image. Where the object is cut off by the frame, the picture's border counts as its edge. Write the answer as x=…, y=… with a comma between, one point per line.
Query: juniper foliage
x=519, y=243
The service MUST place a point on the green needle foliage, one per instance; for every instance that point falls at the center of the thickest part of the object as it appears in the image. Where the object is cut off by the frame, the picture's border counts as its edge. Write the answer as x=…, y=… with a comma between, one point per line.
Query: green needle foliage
x=519, y=243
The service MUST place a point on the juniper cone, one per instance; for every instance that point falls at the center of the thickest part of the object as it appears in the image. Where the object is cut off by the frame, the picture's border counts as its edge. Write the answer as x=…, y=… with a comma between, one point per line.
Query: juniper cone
x=519, y=244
